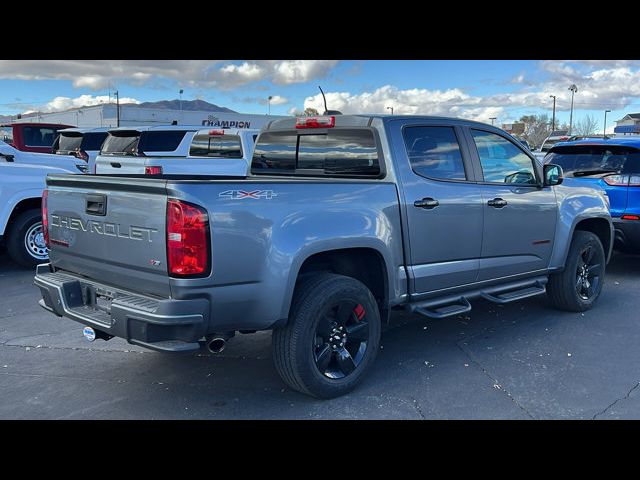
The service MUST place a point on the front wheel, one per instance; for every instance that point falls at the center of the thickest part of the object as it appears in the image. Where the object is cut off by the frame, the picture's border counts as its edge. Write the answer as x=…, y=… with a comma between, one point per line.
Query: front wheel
x=332, y=336
x=25, y=239
x=578, y=286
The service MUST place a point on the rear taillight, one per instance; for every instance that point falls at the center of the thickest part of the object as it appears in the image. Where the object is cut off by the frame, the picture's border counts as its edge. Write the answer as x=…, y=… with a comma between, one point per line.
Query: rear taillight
x=153, y=170
x=216, y=132
x=616, y=180
x=45, y=217
x=188, y=251
x=315, y=122
x=630, y=217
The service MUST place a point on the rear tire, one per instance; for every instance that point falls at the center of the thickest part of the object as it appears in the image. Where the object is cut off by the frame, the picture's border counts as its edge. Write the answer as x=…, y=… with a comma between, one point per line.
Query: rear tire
x=25, y=242
x=332, y=336
x=576, y=289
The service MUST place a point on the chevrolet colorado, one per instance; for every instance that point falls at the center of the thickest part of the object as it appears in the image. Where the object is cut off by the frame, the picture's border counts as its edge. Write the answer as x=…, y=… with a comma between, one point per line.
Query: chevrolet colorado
x=342, y=219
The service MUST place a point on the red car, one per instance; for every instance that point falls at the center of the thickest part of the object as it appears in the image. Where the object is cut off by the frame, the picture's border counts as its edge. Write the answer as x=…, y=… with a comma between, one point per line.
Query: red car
x=31, y=137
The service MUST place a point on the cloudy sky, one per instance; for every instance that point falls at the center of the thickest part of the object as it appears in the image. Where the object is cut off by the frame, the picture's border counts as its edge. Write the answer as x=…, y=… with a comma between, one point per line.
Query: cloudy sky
x=476, y=89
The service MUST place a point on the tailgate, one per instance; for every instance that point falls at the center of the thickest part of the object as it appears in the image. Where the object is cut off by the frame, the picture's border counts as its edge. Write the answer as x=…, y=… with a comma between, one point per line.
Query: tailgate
x=111, y=230
x=120, y=165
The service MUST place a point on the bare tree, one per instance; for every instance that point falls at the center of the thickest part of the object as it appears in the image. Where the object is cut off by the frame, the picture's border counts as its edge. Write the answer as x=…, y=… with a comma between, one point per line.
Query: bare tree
x=536, y=128
x=585, y=126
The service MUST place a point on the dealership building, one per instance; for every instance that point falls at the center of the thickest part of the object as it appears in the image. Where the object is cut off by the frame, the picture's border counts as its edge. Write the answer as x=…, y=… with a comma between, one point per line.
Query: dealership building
x=106, y=115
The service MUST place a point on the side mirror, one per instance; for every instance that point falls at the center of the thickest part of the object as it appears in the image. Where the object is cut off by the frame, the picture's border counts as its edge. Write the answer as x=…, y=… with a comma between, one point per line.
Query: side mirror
x=552, y=175
x=7, y=157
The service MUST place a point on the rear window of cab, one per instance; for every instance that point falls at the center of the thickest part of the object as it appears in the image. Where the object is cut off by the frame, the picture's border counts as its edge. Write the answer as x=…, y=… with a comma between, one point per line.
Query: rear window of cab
x=220, y=146
x=339, y=152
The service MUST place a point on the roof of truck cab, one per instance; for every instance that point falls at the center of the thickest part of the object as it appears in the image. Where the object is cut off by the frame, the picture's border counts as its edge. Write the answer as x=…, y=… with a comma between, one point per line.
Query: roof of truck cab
x=364, y=120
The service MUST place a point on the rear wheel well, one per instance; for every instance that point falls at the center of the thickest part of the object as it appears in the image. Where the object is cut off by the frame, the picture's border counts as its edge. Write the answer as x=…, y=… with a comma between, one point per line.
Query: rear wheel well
x=23, y=206
x=363, y=264
x=600, y=227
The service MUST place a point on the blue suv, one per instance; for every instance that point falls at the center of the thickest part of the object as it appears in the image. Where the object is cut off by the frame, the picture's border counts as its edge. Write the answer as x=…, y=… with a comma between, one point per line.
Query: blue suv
x=614, y=166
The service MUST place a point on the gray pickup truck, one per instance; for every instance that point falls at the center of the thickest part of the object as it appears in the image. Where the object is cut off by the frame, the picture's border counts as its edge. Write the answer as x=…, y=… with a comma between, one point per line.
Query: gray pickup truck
x=343, y=219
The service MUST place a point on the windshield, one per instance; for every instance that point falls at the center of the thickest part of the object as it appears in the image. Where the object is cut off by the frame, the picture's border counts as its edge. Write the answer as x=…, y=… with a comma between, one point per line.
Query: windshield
x=595, y=158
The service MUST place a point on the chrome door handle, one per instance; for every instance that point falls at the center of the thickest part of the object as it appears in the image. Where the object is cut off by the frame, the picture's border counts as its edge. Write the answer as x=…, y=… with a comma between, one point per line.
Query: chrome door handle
x=426, y=203
x=497, y=203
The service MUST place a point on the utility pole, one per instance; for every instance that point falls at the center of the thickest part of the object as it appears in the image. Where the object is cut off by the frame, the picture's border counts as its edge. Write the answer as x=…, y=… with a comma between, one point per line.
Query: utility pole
x=553, y=119
x=573, y=89
x=604, y=129
x=117, y=108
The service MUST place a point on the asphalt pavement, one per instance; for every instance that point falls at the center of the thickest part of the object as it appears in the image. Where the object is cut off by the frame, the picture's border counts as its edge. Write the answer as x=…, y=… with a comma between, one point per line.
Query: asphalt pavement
x=523, y=360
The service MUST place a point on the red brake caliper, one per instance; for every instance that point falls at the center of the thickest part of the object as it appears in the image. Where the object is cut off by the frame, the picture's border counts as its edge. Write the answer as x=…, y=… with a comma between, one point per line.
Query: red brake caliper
x=359, y=311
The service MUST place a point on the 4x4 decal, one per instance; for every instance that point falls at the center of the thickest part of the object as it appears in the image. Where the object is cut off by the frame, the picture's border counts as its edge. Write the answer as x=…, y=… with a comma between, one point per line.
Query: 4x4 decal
x=240, y=194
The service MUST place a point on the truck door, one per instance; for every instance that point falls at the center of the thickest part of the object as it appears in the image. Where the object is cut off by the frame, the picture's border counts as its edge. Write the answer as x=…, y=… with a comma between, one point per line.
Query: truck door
x=441, y=204
x=519, y=214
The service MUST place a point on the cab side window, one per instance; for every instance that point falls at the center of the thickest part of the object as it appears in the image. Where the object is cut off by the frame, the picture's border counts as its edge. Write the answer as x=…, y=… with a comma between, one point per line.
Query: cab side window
x=434, y=152
x=502, y=161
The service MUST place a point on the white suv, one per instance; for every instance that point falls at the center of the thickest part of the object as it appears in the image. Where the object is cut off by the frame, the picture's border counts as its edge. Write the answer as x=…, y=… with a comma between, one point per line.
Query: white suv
x=125, y=149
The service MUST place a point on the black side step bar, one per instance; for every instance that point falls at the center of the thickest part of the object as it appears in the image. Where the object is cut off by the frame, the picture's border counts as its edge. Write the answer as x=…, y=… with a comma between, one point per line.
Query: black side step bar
x=441, y=310
x=513, y=295
x=457, y=304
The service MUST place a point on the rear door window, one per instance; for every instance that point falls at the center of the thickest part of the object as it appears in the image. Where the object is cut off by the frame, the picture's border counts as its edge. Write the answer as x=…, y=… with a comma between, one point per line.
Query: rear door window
x=434, y=152
x=225, y=146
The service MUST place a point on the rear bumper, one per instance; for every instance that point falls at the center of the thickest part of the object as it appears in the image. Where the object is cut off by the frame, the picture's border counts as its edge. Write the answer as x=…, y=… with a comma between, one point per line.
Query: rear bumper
x=627, y=233
x=159, y=324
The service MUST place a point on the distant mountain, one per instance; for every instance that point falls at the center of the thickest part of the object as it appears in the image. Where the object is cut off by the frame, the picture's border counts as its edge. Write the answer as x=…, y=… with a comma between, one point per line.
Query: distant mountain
x=4, y=119
x=187, y=106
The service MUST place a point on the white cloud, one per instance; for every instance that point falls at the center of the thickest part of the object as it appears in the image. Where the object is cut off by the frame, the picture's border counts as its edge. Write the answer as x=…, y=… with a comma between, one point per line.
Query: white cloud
x=100, y=74
x=414, y=101
x=300, y=71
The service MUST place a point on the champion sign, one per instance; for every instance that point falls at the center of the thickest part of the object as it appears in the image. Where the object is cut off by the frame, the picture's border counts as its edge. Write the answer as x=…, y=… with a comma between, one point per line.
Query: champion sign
x=212, y=121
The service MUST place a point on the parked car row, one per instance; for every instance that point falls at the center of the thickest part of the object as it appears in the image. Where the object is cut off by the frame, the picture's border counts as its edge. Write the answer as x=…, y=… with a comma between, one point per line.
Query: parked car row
x=177, y=150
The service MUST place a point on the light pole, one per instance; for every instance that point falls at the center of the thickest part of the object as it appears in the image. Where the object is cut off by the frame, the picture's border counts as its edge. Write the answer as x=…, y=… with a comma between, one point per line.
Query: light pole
x=269, y=104
x=604, y=129
x=390, y=108
x=492, y=119
x=181, y=92
x=573, y=89
x=553, y=118
x=117, y=108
